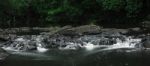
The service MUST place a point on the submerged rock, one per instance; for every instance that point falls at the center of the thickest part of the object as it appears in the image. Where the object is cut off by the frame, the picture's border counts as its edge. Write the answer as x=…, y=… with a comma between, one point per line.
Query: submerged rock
x=3, y=54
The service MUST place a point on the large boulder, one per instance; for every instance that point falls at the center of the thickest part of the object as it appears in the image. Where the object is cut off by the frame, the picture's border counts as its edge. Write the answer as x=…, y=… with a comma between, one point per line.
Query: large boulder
x=135, y=31
x=3, y=54
x=55, y=30
x=81, y=30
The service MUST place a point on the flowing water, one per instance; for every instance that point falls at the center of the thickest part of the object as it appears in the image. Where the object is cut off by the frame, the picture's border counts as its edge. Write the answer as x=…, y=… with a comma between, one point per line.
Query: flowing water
x=120, y=53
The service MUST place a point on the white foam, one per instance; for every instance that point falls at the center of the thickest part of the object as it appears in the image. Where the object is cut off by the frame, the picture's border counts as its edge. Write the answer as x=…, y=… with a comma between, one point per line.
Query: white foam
x=90, y=46
x=9, y=49
x=19, y=39
x=41, y=49
x=70, y=45
x=129, y=43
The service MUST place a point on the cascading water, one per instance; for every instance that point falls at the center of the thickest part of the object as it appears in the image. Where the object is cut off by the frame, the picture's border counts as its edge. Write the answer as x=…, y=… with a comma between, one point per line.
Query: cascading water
x=71, y=51
x=25, y=43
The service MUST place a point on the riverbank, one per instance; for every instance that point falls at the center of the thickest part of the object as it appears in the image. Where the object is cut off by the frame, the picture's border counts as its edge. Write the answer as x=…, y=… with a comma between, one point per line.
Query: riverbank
x=53, y=30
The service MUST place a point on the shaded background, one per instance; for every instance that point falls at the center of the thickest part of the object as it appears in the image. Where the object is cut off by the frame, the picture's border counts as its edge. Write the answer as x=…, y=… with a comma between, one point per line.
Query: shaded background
x=43, y=13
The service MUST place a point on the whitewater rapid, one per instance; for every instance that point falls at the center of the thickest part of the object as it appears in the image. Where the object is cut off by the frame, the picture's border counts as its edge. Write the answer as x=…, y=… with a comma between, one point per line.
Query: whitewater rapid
x=129, y=42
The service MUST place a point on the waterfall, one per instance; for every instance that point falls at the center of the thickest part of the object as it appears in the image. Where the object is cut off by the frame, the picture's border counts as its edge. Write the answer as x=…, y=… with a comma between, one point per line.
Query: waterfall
x=38, y=43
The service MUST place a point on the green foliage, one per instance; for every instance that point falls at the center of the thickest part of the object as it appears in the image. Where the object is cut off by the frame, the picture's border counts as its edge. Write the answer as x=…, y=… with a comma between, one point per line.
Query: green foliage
x=57, y=11
x=63, y=12
x=17, y=6
x=133, y=7
x=112, y=4
x=47, y=9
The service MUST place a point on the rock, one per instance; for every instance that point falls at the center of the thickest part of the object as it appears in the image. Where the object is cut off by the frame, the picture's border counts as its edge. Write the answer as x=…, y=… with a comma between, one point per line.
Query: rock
x=69, y=33
x=3, y=54
x=27, y=30
x=139, y=45
x=3, y=38
x=104, y=41
x=7, y=37
x=107, y=41
x=146, y=25
x=48, y=29
x=135, y=31
x=55, y=30
x=22, y=43
x=101, y=40
x=114, y=31
x=66, y=30
x=56, y=41
x=81, y=30
x=87, y=29
x=146, y=42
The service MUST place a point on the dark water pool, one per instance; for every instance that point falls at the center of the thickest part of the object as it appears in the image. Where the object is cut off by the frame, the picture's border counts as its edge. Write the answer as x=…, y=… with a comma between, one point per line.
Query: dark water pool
x=117, y=57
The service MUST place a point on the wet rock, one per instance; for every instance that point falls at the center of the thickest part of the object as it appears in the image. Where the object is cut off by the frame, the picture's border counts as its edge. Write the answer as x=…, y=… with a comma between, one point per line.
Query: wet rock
x=113, y=34
x=139, y=45
x=107, y=41
x=146, y=42
x=23, y=43
x=3, y=54
x=88, y=38
x=99, y=40
x=56, y=41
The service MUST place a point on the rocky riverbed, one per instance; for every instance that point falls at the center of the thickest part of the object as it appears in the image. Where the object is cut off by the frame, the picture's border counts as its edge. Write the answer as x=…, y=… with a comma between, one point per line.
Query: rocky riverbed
x=72, y=38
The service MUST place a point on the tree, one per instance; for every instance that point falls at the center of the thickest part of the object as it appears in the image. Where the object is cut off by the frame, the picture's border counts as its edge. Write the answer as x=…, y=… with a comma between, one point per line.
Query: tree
x=115, y=5
x=133, y=7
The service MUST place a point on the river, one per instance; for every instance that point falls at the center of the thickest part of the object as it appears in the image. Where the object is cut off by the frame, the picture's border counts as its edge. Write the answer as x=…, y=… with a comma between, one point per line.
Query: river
x=121, y=53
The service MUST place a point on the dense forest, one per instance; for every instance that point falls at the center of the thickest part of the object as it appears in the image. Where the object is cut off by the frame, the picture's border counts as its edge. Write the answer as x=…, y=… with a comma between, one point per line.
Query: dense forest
x=43, y=13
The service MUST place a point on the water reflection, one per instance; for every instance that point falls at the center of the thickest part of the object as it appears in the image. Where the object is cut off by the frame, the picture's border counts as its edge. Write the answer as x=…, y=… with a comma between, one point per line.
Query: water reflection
x=115, y=57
